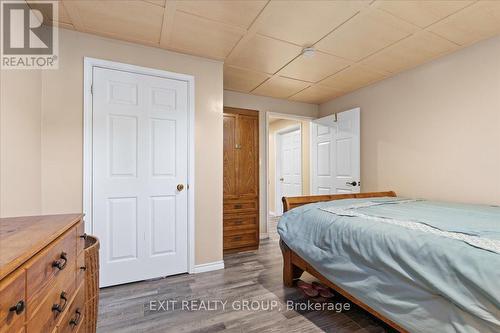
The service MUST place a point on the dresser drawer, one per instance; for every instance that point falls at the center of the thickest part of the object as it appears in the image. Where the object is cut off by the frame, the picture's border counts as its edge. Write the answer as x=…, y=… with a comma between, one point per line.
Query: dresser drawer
x=73, y=318
x=80, y=237
x=13, y=302
x=56, y=262
x=56, y=303
x=240, y=205
x=241, y=239
x=234, y=223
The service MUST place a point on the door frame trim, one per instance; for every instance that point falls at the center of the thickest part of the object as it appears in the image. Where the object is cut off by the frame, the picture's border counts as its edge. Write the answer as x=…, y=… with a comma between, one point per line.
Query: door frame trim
x=89, y=64
x=278, y=162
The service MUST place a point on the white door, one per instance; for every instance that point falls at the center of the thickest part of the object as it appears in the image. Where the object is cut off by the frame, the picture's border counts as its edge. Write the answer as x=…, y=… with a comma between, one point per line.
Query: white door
x=288, y=166
x=335, y=153
x=140, y=128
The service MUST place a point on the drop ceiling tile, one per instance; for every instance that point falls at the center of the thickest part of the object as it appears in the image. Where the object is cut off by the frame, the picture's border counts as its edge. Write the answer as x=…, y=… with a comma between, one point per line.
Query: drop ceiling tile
x=478, y=21
x=422, y=13
x=352, y=78
x=280, y=87
x=243, y=80
x=62, y=25
x=305, y=22
x=316, y=94
x=156, y=2
x=136, y=21
x=263, y=54
x=315, y=68
x=200, y=36
x=366, y=33
x=235, y=12
x=410, y=52
x=63, y=16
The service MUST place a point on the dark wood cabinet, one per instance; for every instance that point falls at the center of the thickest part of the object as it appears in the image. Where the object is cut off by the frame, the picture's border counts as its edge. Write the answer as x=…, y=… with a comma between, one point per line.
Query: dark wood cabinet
x=241, y=180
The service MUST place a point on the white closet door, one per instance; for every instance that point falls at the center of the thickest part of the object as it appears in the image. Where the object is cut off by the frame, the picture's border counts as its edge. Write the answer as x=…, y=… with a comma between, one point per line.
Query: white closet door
x=335, y=153
x=140, y=149
x=289, y=166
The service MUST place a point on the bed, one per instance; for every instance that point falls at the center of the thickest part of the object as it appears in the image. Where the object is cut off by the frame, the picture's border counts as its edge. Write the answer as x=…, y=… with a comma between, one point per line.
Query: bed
x=419, y=266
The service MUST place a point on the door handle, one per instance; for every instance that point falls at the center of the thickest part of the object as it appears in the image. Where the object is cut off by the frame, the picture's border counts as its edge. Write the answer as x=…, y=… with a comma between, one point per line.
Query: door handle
x=353, y=183
x=282, y=179
x=180, y=187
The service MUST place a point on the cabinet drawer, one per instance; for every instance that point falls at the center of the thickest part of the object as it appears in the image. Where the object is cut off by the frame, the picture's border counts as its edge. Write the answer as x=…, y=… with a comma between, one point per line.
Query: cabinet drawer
x=234, y=223
x=242, y=239
x=13, y=302
x=48, y=267
x=56, y=303
x=73, y=318
x=238, y=206
x=80, y=237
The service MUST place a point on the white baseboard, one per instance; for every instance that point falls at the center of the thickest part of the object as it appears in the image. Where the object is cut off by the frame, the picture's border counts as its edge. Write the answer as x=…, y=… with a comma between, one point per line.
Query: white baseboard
x=264, y=235
x=208, y=267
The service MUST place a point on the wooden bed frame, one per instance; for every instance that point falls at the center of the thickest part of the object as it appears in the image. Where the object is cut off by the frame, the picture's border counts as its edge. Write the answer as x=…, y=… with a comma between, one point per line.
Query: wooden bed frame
x=294, y=265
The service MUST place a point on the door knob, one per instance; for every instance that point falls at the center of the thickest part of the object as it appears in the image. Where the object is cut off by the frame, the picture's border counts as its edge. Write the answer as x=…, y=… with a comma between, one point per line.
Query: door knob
x=180, y=187
x=282, y=179
x=353, y=183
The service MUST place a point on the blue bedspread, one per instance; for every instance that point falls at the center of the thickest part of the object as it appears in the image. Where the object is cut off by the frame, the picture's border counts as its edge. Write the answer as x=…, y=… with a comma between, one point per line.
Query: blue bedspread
x=423, y=281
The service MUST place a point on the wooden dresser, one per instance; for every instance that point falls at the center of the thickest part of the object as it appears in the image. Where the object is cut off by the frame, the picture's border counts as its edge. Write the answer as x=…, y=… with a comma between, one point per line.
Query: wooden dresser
x=241, y=180
x=42, y=274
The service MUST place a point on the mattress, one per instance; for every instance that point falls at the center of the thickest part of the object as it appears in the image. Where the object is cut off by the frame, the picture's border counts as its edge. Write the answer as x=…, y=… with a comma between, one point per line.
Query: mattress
x=425, y=265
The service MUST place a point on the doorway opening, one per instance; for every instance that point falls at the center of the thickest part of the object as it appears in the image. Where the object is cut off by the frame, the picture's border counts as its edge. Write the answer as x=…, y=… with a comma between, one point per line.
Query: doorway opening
x=288, y=163
x=311, y=157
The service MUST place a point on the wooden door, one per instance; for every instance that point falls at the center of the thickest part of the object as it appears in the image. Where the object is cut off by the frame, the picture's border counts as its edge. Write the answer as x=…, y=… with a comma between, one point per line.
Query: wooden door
x=248, y=152
x=230, y=163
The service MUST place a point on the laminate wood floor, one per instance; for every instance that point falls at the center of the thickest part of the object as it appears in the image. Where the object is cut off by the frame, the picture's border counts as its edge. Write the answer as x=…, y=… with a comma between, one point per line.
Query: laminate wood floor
x=251, y=276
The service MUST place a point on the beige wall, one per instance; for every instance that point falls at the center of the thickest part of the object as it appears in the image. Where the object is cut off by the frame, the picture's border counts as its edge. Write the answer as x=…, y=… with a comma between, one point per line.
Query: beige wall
x=269, y=104
x=274, y=127
x=20, y=149
x=61, y=133
x=434, y=131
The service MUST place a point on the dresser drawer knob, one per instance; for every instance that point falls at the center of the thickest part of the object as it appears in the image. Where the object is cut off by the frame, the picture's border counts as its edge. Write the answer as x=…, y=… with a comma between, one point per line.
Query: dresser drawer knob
x=237, y=238
x=238, y=206
x=61, y=263
x=62, y=305
x=83, y=268
x=76, y=320
x=18, y=308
